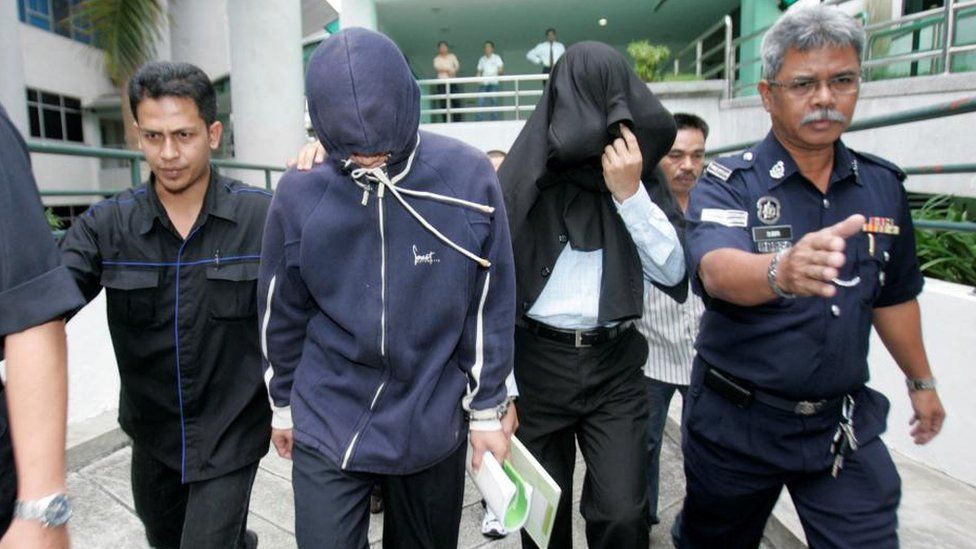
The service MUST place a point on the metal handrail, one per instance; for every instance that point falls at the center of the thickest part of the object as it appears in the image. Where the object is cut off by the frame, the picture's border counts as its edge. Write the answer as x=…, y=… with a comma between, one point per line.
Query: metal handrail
x=518, y=95
x=697, y=44
x=939, y=110
x=135, y=157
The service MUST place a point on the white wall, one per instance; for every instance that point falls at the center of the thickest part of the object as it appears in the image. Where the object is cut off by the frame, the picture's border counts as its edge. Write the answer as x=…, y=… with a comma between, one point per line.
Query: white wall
x=199, y=35
x=57, y=64
x=948, y=321
x=93, y=376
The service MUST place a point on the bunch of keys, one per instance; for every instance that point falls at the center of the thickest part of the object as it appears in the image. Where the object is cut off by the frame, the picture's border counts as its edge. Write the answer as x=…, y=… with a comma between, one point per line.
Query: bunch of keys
x=844, y=439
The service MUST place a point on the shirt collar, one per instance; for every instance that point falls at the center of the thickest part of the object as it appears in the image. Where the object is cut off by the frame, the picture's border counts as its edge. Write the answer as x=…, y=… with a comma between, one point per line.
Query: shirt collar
x=773, y=158
x=211, y=205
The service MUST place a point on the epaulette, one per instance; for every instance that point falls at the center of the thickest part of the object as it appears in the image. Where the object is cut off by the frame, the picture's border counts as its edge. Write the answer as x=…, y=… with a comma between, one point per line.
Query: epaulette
x=723, y=167
x=878, y=161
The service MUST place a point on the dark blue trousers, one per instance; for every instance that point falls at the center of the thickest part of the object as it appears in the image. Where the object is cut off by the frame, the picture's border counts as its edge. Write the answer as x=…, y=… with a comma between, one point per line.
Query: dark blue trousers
x=737, y=462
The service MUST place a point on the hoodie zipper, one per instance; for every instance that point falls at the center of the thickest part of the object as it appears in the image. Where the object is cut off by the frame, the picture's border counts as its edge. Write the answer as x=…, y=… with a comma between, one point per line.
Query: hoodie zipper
x=376, y=394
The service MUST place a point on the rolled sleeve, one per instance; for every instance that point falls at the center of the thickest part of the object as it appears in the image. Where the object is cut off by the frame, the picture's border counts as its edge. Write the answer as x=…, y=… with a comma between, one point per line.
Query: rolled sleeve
x=34, y=287
x=661, y=254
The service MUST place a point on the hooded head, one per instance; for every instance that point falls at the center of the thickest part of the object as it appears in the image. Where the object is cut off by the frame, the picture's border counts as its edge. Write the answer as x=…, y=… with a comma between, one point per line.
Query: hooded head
x=362, y=98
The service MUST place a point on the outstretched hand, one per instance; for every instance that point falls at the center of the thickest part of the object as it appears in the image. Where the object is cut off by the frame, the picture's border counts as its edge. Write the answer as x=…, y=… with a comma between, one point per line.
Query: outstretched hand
x=813, y=262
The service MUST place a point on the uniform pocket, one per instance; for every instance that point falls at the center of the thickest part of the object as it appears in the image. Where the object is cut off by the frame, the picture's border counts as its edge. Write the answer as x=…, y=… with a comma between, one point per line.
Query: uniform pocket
x=132, y=295
x=232, y=291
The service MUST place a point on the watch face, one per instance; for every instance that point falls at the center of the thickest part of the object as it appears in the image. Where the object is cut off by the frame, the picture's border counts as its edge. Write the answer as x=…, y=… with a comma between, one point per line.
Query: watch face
x=58, y=511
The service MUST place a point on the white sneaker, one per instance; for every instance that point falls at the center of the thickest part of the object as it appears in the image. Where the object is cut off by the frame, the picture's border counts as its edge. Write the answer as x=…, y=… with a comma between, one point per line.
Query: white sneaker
x=491, y=527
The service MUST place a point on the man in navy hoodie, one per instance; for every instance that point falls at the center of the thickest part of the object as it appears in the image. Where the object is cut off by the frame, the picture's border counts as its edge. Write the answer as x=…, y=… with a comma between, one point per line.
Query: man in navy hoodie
x=387, y=307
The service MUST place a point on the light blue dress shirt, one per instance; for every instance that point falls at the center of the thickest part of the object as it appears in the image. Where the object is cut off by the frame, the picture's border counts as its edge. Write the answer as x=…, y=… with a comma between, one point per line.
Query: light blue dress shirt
x=571, y=298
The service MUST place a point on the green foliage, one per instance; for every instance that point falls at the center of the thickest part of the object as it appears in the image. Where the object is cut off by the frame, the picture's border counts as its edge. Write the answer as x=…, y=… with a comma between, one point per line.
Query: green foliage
x=126, y=30
x=648, y=58
x=53, y=220
x=946, y=255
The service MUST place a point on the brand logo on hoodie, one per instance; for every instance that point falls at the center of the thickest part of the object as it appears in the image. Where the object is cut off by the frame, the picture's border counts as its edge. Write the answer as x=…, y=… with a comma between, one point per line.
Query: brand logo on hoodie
x=427, y=258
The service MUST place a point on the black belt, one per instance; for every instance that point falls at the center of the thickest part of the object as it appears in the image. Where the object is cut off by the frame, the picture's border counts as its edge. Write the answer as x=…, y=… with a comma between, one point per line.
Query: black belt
x=576, y=338
x=743, y=396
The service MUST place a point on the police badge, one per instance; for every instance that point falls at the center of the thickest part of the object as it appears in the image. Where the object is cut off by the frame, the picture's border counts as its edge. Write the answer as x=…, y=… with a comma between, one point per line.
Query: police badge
x=767, y=209
x=778, y=170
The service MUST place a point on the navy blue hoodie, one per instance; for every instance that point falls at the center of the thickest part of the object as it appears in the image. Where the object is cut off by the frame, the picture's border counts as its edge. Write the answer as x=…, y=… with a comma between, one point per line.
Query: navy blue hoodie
x=387, y=296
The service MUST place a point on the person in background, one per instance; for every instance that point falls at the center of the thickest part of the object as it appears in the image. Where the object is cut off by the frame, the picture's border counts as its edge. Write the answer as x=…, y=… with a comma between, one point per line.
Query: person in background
x=36, y=292
x=671, y=327
x=546, y=53
x=446, y=65
x=490, y=64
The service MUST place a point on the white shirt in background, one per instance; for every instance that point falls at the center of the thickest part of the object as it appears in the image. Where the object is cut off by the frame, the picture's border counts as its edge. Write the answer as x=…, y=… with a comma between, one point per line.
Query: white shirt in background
x=490, y=66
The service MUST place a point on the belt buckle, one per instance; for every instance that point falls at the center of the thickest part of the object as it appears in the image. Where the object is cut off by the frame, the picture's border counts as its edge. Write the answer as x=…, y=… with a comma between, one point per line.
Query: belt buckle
x=807, y=408
x=579, y=339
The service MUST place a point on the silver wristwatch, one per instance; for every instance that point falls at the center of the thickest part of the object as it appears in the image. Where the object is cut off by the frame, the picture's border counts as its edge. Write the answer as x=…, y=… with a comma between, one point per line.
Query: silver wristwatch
x=51, y=511
x=920, y=384
x=771, y=275
x=491, y=414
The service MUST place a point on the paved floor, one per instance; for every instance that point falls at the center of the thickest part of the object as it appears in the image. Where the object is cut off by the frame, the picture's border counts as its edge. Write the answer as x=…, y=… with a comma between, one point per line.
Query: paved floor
x=104, y=516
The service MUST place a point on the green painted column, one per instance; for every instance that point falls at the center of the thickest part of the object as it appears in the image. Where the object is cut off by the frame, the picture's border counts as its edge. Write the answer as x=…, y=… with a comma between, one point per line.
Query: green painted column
x=754, y=15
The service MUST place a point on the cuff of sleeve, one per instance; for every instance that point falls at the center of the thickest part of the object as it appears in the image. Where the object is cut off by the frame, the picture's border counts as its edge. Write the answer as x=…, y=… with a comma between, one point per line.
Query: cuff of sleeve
x=281, y=417
x=638, y=203
x=39, y=300
x=511, y=386
x=485, y=425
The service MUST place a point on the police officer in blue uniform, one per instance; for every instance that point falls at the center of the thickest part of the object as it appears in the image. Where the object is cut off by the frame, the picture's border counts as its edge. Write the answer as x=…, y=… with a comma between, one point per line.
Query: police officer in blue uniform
x=797, y=245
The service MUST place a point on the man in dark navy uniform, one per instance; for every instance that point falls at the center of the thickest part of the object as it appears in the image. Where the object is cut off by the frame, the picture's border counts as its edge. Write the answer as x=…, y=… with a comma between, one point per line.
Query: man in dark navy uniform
x=36, y=291
x=797, y=246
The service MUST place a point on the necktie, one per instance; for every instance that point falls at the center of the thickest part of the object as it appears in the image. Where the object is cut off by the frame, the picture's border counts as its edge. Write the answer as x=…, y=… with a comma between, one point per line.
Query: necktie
x=550, y=55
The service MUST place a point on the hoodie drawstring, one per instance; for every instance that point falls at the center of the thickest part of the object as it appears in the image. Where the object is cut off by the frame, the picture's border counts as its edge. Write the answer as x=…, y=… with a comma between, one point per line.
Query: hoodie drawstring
x=378, y=175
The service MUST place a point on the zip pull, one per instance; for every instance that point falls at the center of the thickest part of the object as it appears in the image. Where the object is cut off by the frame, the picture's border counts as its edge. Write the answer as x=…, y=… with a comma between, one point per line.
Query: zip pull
x=217, y=259
x=365, y=196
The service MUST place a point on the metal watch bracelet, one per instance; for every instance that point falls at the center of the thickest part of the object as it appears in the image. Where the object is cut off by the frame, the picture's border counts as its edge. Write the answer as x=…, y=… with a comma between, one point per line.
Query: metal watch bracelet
x=771, y=273
x=923, y=384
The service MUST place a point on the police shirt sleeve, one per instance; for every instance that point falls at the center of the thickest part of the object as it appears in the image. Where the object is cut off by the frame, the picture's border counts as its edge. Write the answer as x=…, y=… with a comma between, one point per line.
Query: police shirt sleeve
x=717, y=217
x=34, y=287
x=902, y=277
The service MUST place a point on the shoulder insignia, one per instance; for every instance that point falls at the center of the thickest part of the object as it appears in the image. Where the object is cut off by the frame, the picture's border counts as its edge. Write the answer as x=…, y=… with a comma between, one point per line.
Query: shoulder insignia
x=718, y=170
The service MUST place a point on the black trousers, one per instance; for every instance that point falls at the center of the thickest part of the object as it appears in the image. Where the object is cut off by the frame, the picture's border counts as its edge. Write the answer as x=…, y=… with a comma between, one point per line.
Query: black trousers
x=442, y=103
x=207, y=514
x=422, y=510
x=8, y=473
x=593, y=396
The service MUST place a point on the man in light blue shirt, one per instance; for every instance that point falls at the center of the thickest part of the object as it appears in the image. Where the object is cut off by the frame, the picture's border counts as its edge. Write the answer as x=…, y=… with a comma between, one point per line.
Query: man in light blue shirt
x=591, y=224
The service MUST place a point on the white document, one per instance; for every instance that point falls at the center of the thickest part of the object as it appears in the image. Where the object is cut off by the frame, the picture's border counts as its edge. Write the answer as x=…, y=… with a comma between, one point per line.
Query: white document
x=503, y=489
x=520, y=492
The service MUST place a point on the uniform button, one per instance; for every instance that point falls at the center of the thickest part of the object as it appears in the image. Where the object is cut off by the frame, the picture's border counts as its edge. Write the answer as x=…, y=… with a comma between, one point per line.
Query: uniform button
x=835, y=310
x=546, y=271
x=563, y=238
x=826, y=203
x=747, y=156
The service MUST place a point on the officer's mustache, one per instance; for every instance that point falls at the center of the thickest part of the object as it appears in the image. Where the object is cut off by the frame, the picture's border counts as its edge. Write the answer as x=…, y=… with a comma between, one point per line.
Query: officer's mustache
x=824, y=114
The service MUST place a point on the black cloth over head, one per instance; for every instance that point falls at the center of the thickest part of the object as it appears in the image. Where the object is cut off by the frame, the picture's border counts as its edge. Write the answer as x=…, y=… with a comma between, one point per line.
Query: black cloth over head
x=553, y=184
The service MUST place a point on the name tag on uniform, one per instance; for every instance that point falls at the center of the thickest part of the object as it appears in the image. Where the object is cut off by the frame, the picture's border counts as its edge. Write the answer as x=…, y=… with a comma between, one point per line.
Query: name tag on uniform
x=773, y=238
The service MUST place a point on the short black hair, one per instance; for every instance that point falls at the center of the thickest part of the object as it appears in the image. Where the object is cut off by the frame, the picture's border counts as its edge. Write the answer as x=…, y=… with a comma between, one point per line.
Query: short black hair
x=684, y=120
x=495, y=153
x=490, y=42
x=168, y=79
x=443, y=42
x=550, y=29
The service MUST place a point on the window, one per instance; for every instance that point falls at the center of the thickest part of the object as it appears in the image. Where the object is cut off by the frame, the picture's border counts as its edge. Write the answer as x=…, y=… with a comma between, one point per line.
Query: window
x=54, y=116
x=113, y=137
x=56, y=16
